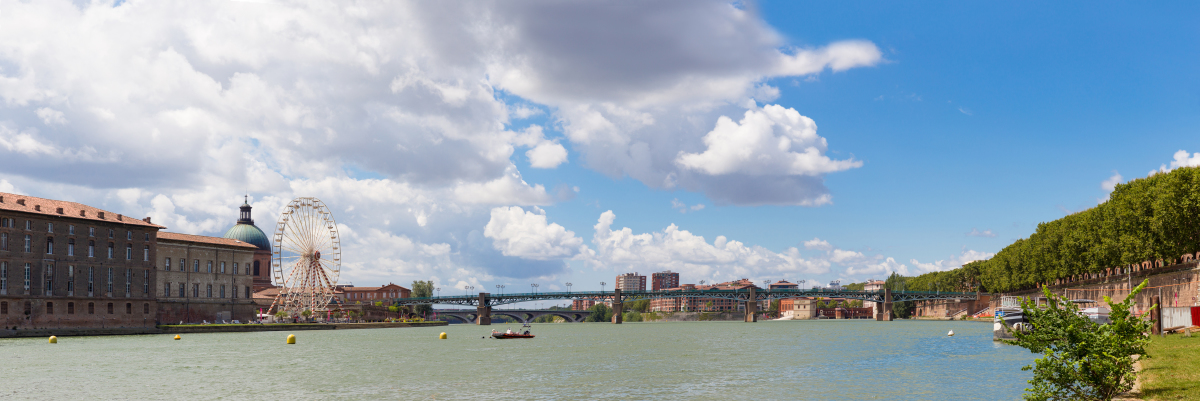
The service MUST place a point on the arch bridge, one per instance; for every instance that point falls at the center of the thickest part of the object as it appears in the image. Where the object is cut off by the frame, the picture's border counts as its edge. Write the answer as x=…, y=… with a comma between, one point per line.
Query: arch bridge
x=883, y=299
x=522, y=315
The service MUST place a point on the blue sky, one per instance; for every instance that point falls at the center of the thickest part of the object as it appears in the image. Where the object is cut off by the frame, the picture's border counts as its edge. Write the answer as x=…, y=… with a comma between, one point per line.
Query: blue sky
x=481, y=144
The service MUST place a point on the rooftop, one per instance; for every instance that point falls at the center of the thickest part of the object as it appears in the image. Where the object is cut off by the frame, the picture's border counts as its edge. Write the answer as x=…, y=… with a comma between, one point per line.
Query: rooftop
x=204, y=239
x=51, y=207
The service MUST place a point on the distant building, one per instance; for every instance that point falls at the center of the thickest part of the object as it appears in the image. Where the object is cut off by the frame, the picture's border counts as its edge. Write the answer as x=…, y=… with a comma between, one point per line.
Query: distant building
x=702, y=304
x=369, y=295
x=631, y=282
x=872, y=285
x=247, y=232
x=797, y=308
x=582, y=304
x=664, y=280
x=780, y=285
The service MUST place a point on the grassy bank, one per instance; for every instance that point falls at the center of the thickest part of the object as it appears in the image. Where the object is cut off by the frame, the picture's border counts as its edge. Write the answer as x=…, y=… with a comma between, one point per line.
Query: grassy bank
x=1173, y=370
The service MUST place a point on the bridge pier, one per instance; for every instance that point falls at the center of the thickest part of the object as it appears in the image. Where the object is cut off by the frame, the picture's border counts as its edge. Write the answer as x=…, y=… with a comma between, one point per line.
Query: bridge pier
x=883, y=310
x=483, y=311
x=752, y=308
x=618, y=307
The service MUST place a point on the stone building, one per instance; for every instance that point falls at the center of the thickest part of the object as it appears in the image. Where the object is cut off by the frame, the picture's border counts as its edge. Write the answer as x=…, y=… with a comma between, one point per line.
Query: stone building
x=204, y=278
x=369, y=295
x=245, y=231
x=631, y=282
x=66, y=266
x=797, y=308
x=702, y=304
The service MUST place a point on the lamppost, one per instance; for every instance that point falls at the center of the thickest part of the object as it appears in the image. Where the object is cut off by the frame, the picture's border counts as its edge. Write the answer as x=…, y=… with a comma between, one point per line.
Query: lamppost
x=535, y=287
x=439, y=291
x=602, y=286
x=802, y=283
x=568, y=288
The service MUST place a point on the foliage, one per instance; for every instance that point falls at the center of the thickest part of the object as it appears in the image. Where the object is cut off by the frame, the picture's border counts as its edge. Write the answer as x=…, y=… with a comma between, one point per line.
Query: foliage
x=281, y=314
x=422, y=289
x=600, y=313
x=1145, y=219
x=775, y=305
x=855, y=286
x=306, y=313
x=1081, y=360
x=640, y=305
x=632, y=316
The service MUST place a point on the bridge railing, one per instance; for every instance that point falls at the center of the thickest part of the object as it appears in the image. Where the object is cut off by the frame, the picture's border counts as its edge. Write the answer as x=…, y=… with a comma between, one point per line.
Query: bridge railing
x=799, y=293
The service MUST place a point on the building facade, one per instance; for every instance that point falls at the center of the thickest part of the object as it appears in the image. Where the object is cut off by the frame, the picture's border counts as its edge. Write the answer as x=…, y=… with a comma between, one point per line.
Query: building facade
x=664, y=280
x=703, y=304
x=370, y=295
x=872, y=285
x=245, y=231
x=631, y=282
x=65, y=265
x=797, y=308
x=203, y=278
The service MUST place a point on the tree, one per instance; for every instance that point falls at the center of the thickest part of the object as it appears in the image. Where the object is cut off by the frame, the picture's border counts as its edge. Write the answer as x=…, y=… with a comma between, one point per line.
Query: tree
x=422, y=289
x=642, y=306
x=1081, y=360
x=600, y=313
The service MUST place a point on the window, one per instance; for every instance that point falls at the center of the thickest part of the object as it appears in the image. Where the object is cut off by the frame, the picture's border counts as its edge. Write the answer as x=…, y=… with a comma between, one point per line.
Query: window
x=128, y=251
x=110, y=282
x=235, y=268
x=256, y=268
x=91, y=249
x=129, y=235
x=222, y=267
x=70, y=281
x=147, y=237
x=3, y=308
x=49, y=276
x=71, y=231
x=70, y=308
x=28, y=308
x=167, y=290
x=146, y=281
x=232, y=291
x=128, y=281
x=49, y=308
x=110, y=233
x=210, y=266
x=28, y=225
x=110, y=309
x=222, y=291
x=49, y=245
x=195, y=290
x=28, y=243
x=70, y=247
x=4, y=241
x=91, y=231
x=167, y=264
x=128, y=308
x=6, y=222
x=26, y=278
x=182, y=265
x=196, y=265
x=145, y=309
x=111, y=247
x=91, y=281
x=91, y=308
x=210, y=290
x=182, y=292
x=49, y=227
x=247, y=291
x=3, y=278
x=146, y=253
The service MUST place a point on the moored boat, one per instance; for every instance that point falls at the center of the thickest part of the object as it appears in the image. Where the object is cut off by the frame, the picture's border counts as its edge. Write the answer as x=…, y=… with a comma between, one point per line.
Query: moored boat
x=523, y=333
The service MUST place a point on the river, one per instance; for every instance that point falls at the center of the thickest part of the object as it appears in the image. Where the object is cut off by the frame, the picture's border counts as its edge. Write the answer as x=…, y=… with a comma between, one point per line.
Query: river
x=804, y=360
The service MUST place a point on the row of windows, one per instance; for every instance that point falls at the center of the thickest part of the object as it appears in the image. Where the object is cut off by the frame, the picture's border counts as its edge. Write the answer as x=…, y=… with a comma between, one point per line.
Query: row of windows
x=208, y=266
x=49, y=284
x=208, y=291
x=91, y=308
x=91, y=251
x=8, y=223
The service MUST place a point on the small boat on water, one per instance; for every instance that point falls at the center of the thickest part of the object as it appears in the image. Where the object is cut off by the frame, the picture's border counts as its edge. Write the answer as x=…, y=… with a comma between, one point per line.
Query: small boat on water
x=523, y=333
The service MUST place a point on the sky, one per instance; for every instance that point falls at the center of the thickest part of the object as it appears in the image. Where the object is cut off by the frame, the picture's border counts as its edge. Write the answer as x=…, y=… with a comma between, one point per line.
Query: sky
x=511, y=143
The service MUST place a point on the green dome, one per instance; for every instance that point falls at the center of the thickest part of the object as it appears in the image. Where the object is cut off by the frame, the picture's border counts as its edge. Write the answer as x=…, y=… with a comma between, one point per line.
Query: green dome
x=249, y=234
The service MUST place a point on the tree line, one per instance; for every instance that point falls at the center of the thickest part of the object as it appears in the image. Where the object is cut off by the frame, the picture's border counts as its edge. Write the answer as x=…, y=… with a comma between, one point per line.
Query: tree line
x=1152, y=218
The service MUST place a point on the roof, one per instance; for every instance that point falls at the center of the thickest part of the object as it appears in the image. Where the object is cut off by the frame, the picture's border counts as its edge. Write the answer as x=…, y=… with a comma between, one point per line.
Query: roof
x=204, y=239
x=251, y=234
x=51, y=207
x=365, y=289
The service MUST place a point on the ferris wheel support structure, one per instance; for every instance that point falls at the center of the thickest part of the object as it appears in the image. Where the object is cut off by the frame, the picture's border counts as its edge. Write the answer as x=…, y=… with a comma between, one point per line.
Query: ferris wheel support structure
x=307, y=257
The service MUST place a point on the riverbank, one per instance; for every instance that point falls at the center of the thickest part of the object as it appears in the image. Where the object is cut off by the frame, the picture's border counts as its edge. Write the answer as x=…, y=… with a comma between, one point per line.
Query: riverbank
x=208, y=328
x=1172, y=372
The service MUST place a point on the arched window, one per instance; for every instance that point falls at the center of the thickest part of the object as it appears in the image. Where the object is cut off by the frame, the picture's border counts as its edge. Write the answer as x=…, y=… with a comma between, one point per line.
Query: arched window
x=128, y=251
x=129, y=235
x=70, y=247
x=146, y=253
x=109, y=288
x=91, y=249
x=49, y=245
x=111, y=249
x=256, y=268
x=128, y=308
x=49, y=308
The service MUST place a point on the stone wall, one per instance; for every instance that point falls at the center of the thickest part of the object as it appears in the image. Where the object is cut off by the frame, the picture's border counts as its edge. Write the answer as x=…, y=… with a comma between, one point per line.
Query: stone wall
x=75, y=313
x=1176, y=284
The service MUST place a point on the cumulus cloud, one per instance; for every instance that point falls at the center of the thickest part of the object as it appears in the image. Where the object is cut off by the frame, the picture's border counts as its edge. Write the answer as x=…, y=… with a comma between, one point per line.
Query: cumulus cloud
x=967, y=256
x=524, y=234
x=985, y=233
x=684, y=208
x=1181, y=159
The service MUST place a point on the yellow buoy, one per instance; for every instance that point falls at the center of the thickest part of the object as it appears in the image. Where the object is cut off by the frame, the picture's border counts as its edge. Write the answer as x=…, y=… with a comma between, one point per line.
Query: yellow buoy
x=54, y=339
x=291, y=338
x=176, y=336
x=442, y=336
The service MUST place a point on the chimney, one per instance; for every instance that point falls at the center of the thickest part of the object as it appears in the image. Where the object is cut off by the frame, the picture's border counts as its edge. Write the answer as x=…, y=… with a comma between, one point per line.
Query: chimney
x=37, y=207
x=1, y=199
x=119, y=217
x=147, y=220
x=21, y=202
x=100, y=215
x=83, y=213
x=60, y=210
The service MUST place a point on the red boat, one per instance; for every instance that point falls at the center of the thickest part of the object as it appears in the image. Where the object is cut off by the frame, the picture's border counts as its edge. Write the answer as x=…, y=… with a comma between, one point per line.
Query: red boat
x=524, y=333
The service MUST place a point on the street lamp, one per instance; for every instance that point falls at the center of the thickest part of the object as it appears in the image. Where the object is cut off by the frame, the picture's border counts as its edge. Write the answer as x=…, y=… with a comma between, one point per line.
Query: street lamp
x=568, y=288
x=535, y=287
x=602, y=286
x=439, y=291
x=802, y=282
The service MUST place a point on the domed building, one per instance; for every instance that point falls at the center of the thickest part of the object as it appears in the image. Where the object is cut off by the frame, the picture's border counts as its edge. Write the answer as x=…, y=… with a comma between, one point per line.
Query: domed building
x=247, y=232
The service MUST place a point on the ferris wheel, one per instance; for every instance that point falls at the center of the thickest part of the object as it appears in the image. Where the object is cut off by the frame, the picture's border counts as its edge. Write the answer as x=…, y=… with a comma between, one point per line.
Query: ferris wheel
x=308, y=256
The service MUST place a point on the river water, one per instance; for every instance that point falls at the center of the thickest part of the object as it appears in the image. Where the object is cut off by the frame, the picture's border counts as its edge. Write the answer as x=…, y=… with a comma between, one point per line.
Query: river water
x=805, y=360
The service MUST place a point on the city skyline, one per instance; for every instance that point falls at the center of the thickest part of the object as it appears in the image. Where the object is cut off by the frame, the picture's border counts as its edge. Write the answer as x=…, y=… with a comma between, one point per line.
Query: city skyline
x=483, y=145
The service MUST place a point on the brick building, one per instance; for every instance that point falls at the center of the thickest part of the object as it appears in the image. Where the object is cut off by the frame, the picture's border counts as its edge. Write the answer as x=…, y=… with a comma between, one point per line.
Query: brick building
x=369, y=295
x=702, y=304
x=631, y=282
x=204, y=278
x=664, y=280
x=797, y=308
x=582, y=304
x=65, y=265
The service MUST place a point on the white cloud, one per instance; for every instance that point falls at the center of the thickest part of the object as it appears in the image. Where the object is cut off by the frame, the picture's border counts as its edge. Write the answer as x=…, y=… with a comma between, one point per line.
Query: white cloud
x=818, y=244
x=51, y=116
x=967, y=256
x=985, y=233
x=516, y=232
x=1181, y=159
x=684, y=208
x=547, y=155
x=1108, y=185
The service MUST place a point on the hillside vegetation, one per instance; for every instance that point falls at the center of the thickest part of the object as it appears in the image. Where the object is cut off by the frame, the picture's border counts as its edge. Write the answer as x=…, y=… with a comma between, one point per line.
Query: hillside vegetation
x=1152, y=218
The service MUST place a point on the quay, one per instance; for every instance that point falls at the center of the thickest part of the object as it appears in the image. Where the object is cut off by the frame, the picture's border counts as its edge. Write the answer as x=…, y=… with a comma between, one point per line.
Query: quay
x=209, y=328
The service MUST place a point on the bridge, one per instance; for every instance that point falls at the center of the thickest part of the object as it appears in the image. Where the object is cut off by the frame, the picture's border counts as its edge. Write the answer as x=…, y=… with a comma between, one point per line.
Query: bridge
x=883, y=299
x=522, y=315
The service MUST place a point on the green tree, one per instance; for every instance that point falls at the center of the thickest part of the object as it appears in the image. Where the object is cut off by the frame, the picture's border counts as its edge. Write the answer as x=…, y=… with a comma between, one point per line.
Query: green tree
x=1081, y=360
x=632, y=316
x=642, y=306
x=422, y=289
x=600, y=313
